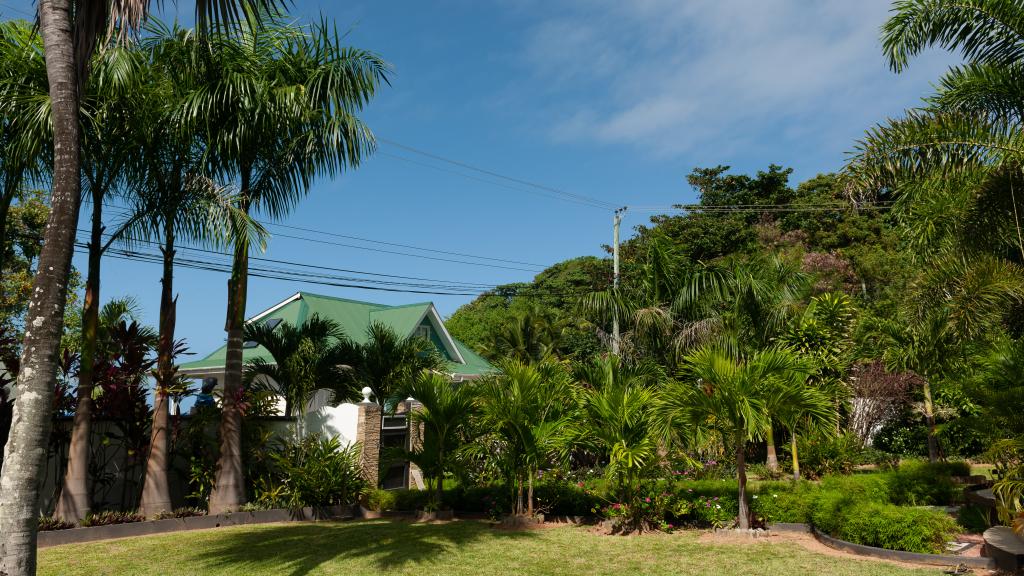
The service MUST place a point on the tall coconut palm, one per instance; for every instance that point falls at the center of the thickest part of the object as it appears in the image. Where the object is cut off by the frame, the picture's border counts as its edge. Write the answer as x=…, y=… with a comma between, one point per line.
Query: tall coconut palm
x=525, y=408
x=282, y=107
x=70, y=33
x=174, y=201
x=107, y=146
x=313, y=355
x=726, y=395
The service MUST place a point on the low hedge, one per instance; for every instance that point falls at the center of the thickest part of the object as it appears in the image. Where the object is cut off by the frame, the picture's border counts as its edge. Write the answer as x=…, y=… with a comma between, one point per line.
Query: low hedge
x=555, y=499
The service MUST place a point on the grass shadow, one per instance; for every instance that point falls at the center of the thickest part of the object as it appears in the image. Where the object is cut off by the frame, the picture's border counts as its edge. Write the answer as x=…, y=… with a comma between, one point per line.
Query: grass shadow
x=297, y=549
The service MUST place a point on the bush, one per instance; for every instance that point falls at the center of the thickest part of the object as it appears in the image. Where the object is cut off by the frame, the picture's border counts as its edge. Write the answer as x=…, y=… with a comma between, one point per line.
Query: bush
x=47, y=523
x=313, y=471
x=973, y=518
x=918, y=483
x=381, y=500
x=820, y=455
x=112, y=517
x=896, y=527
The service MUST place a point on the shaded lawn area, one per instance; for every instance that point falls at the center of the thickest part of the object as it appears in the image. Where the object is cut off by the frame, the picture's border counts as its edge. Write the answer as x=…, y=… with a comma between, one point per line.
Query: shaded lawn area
x=455, y=549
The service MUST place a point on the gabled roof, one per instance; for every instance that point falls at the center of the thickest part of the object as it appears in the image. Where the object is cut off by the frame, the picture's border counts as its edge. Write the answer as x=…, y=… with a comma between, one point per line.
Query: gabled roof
x=355, y=317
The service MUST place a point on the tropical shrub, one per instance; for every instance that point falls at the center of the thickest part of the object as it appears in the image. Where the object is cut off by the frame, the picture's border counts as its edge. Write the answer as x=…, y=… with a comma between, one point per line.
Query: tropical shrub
x=894, y=527
x=380, y=500
x=109, y=517
x=315, y=471
x=47, y=523
x=823, y=455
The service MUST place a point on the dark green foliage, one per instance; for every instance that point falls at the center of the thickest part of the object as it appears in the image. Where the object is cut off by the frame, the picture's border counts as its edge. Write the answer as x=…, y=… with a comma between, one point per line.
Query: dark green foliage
x=918, y=483
x=314, y=472
x=973, y=518
x=892, y=527
x=381, y=500
x=821, y=455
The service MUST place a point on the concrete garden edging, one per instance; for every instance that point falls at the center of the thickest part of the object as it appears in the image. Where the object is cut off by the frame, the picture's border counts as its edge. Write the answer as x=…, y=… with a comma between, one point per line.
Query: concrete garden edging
x=884, y=553
x=150, y=527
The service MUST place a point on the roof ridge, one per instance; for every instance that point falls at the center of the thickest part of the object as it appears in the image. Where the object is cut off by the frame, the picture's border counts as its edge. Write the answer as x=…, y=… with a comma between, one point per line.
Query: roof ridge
x=340, y=299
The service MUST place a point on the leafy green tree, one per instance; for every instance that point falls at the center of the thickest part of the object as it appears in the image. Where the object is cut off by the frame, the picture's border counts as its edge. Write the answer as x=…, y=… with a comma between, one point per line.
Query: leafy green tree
x=530, y=335
x=524, y=407
x=25, y=128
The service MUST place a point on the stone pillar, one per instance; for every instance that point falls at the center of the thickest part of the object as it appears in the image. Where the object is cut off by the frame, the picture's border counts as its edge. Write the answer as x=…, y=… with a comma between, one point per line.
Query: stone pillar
x=368, y=437
x=415, y=440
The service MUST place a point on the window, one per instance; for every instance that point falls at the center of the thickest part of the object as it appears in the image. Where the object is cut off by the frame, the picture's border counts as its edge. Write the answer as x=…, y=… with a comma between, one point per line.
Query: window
x=423, y=331
x=273, y=323
x=270, y=324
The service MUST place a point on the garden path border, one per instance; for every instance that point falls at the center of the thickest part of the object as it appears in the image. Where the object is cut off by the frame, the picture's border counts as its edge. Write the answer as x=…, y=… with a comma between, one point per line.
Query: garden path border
x=982, y=563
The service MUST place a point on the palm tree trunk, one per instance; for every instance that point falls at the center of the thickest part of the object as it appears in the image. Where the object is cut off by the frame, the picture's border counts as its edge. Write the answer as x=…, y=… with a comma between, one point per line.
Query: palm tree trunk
x=25, y=453
x=796, y=461
x=929, y=416
x=156, y=493
x=529, y=497
x=74, y=502
x=229, y=488
x=741, y=477
x=5, y=210
x=773, y=458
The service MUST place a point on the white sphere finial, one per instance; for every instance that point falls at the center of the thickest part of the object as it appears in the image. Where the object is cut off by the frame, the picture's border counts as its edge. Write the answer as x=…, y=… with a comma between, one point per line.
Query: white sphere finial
x=367, y=392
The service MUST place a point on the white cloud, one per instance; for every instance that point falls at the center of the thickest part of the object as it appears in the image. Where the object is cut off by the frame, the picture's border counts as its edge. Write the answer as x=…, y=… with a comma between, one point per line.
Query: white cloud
x=670, y=75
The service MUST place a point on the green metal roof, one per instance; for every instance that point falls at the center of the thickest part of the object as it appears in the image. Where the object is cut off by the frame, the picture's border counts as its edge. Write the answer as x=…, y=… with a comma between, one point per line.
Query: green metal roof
x=355, y=318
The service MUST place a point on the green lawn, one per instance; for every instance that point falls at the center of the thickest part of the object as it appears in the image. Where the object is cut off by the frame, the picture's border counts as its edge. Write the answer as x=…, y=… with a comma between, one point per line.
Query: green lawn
x=453, y=549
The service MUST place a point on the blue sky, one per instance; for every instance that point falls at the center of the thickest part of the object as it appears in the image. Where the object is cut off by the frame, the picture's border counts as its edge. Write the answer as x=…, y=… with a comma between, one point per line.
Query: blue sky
x=614, y=100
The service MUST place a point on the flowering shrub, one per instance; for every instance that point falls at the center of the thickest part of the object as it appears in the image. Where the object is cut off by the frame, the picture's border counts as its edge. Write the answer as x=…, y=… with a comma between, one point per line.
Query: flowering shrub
x=716, y=511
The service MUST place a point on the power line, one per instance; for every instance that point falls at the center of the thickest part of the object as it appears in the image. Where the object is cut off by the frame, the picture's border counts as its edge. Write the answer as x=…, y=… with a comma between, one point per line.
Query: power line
x=490, y=182
x=746, y=208
x=518, y=263
x=595, y=202
x=450, y=253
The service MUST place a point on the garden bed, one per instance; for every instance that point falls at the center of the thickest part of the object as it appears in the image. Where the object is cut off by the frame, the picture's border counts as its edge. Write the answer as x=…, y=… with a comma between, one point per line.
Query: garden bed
x=131, y=529
x=976, y=562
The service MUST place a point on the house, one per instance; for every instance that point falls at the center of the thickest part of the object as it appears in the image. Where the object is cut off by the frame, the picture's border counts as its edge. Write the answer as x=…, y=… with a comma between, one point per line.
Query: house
x=354, y=317
x=364, y=422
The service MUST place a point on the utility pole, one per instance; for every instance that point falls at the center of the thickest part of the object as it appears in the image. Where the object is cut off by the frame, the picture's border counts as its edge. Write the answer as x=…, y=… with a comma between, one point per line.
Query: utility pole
x=616, y=220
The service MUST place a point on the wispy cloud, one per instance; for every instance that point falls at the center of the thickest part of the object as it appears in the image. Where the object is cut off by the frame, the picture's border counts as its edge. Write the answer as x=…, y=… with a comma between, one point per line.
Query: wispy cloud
x=671, y=76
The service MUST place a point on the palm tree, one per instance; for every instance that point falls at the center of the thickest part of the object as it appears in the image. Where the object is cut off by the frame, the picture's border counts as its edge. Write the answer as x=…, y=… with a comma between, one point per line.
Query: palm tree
x=24, y=115
x=970, y=131
x=530, y=335
x=312, y=355
x=618, y=418
x=745, y=302
x=525, y=408
x=107, y=147
x=727, y=395
x=445, y=411
x=386, y=362
x=282, y=107
x=70, y=33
